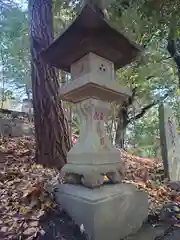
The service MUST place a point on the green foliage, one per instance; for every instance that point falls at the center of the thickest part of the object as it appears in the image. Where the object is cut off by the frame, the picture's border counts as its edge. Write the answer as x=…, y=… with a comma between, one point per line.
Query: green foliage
x=15, y=47
x=154, y=74
x=143, y=135
x=64, y=13
x=161, y=15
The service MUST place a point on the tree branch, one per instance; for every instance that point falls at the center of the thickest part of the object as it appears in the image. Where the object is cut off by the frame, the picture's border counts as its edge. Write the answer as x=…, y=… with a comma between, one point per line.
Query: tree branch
x=149, y=77
x=131, y=98
x=143, y=111
x=146, y=108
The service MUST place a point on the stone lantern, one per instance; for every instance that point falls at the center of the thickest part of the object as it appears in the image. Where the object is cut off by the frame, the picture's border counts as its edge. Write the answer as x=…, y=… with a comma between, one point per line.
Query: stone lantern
x=91, y=50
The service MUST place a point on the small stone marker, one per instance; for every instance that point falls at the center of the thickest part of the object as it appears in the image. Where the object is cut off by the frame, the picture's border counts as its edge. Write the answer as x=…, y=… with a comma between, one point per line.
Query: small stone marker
x=170, y=142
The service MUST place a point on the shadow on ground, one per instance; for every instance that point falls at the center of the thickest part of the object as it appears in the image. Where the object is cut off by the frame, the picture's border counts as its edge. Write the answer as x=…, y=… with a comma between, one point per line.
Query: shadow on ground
x=59, y=226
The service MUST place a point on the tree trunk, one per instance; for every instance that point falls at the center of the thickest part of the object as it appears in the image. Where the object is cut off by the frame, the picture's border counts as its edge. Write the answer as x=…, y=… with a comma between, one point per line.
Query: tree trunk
x=3, y=80
x=121, y=126
x=173, y=49
x=30, y=118
x=123, y=120
x=51, y=128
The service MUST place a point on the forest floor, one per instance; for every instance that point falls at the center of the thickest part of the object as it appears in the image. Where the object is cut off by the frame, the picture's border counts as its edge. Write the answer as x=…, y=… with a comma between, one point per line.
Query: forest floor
x=27, y=208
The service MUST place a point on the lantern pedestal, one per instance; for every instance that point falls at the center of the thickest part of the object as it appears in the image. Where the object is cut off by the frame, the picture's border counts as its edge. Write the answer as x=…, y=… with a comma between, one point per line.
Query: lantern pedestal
x=108, y=212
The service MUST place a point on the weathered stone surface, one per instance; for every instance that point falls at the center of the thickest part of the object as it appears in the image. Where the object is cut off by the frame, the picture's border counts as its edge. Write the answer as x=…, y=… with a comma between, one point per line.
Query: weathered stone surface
x=170, y=141
x=20, y=129
x=108, y=212
x=14, y=128
x=93, y=155
x=5, y=127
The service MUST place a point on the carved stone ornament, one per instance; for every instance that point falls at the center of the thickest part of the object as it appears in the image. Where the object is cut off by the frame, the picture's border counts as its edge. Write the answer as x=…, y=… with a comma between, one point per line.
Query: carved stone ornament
x=93, y=156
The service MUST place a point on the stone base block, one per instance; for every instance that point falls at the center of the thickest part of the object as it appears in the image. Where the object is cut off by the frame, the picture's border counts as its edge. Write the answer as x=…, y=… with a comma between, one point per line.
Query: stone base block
x=109, y=212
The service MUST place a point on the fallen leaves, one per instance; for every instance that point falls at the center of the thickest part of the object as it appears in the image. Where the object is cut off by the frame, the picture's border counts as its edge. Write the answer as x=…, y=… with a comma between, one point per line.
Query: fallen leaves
x=177, y=198
x=146, y=174
x=26, y=187
x=23, y=194
x=32, y=191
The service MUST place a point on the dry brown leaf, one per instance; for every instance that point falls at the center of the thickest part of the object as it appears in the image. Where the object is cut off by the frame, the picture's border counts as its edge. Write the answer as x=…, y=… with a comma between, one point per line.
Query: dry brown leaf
x=177, y=198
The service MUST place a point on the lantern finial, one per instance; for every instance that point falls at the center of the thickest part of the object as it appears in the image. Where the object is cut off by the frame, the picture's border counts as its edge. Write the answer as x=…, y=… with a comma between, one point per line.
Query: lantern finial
x=98, y=5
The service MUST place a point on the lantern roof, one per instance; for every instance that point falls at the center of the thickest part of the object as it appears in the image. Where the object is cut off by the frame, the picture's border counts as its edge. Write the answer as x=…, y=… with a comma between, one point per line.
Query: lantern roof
x=90, y=32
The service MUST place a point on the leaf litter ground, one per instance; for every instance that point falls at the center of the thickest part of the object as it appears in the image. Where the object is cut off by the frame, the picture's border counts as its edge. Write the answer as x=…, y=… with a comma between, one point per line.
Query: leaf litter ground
x=27, y=207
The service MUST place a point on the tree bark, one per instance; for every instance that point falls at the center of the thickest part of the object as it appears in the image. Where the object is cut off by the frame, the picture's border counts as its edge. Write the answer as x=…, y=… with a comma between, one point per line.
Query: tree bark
x=3, y=80
x=173, y=49
x=121, y=125
x=51, y=128
x=30, y=117
x=123, y=120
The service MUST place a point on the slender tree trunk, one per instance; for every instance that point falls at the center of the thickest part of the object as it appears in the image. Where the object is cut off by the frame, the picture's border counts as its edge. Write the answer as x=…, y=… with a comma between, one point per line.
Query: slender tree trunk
x=121, y=126
x=123, y=120
x=51, y=128
x=29, y=104
x=173, y=49
x=3, y=80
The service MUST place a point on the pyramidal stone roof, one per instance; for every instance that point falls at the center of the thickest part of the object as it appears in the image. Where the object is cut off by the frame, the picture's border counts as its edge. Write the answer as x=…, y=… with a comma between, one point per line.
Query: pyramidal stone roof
x=90, y=32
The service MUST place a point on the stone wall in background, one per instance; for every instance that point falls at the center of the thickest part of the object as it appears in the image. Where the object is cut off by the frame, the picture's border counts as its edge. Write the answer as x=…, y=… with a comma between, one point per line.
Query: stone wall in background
x=15, y=127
